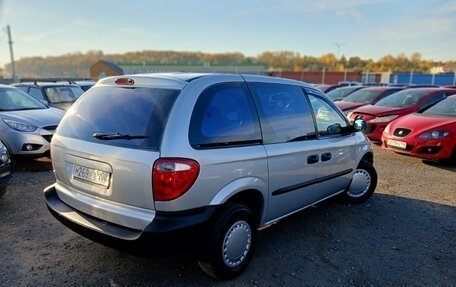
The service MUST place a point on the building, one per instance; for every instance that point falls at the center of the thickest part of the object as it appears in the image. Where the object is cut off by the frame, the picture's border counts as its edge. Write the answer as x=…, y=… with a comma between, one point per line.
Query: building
x=102, y=69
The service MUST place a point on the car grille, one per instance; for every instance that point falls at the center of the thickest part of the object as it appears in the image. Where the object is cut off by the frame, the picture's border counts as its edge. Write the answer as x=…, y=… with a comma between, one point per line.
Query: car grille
x=401, y=132
x=48, y=138
x=50, y=128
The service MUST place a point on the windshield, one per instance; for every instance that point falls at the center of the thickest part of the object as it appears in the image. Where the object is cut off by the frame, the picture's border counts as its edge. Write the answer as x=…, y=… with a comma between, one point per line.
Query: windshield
x=362, y=96
x=12, y=99
x=126, y=117
x=340, y=93
x=403, y=99
x=444, y=108
x=60, y=94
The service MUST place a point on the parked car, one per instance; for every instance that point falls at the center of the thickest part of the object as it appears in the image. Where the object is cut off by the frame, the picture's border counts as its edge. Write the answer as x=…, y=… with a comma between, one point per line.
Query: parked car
x=26, y=125
x=364, y=97
x=85, y=85
x=326, y=88
x=218, y=156
x=342, y=92
x=430, y=134
x=399, y=104
x=57, y=95
x=5, y=169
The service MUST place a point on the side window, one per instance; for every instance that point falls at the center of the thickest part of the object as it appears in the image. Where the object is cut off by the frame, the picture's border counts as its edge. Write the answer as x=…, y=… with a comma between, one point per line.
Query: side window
x=224, y=115
x=284, y=112
x=23, y=88
x=390, y=92
x=430, y=102
x=36, y=93
x=325, y=115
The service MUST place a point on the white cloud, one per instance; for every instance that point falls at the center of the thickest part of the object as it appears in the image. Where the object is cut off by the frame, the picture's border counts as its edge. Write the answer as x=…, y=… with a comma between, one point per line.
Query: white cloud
x=328, y=5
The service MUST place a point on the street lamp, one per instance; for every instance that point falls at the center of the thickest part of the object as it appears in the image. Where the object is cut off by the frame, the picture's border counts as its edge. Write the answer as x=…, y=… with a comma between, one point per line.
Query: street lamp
x=338, y=45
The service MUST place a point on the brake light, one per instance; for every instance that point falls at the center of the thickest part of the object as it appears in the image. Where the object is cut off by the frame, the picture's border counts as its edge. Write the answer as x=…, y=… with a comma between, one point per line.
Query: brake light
x=172, y=177
x=125, y=81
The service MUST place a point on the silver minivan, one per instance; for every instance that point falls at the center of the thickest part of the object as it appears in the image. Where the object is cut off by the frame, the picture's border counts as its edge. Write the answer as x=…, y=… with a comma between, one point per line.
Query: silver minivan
x=215, y=157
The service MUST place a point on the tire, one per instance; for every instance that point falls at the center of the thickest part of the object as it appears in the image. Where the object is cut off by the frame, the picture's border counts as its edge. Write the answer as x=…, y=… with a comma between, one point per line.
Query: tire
x=363, y=183
x=2, y=191
x=224, y=258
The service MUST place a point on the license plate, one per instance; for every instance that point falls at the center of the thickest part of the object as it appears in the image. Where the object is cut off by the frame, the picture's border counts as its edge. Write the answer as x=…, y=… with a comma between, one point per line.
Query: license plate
x=398, y=144
x=90, y=175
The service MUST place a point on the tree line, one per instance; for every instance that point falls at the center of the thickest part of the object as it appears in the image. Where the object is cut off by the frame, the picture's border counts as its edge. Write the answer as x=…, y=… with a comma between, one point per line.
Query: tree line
x=78, y=64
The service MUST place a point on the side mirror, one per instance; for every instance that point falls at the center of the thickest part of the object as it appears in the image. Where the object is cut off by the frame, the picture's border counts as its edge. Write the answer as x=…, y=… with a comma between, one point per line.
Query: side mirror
x=359, y=125
x=44, y=102
x=334, y=129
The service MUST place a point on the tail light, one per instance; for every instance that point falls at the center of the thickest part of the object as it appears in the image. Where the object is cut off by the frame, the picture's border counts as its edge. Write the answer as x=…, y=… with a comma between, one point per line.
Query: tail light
x=172, y=177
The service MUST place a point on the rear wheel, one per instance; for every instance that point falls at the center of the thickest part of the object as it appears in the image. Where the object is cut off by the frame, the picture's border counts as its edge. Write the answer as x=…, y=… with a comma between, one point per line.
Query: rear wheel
x=230, y=243
x=2, y=191
x=363, y=183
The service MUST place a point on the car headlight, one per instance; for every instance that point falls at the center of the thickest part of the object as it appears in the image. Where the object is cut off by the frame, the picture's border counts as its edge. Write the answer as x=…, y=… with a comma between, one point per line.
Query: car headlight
x=387, y=129
x=384, y=119
x=19, y=126
x=434, y=134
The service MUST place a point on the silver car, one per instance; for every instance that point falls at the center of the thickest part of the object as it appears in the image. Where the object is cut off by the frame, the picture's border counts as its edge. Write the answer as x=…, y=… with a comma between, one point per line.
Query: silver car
x=26, y=124
x=214, y=157
x=5, y=169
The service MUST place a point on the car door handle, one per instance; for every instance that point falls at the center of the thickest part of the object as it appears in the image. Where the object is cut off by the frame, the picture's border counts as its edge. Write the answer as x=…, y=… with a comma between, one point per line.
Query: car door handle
x=313, y=159
x=326, y=156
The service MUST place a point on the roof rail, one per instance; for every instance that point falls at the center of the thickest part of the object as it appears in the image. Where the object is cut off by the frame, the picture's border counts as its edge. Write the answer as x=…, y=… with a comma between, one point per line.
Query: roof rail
x=69, y=80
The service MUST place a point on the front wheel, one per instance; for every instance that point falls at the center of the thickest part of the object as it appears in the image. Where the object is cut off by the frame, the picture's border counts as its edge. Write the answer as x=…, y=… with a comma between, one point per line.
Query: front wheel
x=231, y=243
x=363, y=183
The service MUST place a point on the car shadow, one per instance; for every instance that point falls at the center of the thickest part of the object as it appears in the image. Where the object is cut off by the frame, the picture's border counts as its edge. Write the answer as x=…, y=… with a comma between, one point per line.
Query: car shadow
x=446, y=165
x=328, y=244
x=33, y=165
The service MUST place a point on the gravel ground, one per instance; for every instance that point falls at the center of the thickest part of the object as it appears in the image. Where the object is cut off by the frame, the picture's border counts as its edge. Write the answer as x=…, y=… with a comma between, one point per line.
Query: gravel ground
x=404, y=235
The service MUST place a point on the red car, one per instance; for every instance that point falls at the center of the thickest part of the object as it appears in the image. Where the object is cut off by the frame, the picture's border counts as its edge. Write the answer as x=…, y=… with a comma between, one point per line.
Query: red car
x=402, y=103
x=364, y=97
x=430, y=134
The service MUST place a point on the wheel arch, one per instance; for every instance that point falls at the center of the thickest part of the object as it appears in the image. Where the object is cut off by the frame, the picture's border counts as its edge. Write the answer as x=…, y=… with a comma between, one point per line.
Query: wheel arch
x=368, y=156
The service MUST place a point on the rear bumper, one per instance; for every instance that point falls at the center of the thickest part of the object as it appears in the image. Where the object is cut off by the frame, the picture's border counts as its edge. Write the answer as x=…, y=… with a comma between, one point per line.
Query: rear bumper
x=167, y=228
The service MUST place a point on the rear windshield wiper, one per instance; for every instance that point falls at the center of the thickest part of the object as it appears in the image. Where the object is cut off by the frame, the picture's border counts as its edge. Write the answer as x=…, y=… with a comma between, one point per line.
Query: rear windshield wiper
x=116, y=136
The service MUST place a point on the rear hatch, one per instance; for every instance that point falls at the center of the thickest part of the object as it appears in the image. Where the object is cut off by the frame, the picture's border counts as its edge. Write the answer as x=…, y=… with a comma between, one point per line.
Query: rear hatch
x=104, y=150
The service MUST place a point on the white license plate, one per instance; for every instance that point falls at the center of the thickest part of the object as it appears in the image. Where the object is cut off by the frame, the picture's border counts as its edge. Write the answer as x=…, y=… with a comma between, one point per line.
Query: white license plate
x=398, y=144
x=90, y=175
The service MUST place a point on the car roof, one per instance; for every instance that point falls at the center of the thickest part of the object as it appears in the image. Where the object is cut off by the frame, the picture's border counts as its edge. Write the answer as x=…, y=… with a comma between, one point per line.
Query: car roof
x=428, y=90
x=179, y=80
x=381, y=88
x=44, y=84
x=6, y=86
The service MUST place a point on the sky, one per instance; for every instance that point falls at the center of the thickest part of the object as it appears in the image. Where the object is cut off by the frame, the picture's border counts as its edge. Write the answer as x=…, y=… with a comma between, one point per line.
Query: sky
x=365, y=28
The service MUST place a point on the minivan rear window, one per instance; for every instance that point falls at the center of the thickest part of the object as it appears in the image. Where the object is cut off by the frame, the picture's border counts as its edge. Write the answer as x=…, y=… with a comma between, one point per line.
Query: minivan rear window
x=137, y=112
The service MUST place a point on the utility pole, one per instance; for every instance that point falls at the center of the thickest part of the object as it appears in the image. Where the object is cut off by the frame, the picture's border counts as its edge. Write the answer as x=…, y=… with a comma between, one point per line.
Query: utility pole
x=10, y=42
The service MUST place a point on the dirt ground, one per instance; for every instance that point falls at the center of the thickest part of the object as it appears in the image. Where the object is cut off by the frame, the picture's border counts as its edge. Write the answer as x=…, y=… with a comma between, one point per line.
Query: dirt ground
x=404, y=235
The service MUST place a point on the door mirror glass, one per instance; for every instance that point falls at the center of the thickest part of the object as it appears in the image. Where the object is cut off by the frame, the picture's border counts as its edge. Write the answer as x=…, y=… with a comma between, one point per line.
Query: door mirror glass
x=359, y=125
x=334, y=129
